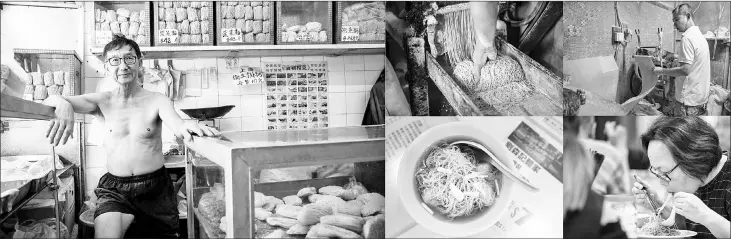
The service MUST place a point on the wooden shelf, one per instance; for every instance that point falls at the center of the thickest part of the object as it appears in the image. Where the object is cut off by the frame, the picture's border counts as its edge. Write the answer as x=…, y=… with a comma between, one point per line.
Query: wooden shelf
x=167, y=52
x=14, y=107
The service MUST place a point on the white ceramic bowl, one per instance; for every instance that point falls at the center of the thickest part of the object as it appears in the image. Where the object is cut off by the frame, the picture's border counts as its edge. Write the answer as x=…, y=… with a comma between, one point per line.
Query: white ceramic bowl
x=411, y=197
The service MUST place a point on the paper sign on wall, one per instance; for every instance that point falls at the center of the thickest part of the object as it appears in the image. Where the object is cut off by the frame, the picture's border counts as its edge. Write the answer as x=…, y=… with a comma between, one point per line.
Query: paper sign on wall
x=247, y=76
x=232, y=35
x=168, y=36
x=103, y=37
x=350, y=33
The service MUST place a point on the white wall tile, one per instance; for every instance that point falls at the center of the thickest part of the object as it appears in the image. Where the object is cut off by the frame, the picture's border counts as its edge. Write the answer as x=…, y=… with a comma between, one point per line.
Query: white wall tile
x=371, y=77
x=90, y=84
x=335, y=63
x=374, y=62
x=338, y=121
x=231, y=100
x=337, y=103
x=207, y=101
x=96, y=157
x=336, y=82
x=94, y=133
x=183, y=64
x=252, y=123
x=221, y=63
x=252, y=105
x=230, y=124
x=353, y=59
x=226, y=85
x=355, y=119
x=252, y=89
x=354, y=67
x=202, y=63
x=313, y=58
x=355, y=102
x=250, y=61
x=271, y=59
x=354, y=81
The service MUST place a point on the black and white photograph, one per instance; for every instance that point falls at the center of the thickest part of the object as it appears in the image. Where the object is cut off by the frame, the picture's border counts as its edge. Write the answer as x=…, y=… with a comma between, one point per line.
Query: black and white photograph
x=474, y=58
x=473, y=177
x=647, y=58
x=180, y=119
x=647, y=177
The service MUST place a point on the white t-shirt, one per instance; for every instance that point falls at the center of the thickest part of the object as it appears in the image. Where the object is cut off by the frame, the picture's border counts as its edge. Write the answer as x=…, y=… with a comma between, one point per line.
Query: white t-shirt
x=693, y=90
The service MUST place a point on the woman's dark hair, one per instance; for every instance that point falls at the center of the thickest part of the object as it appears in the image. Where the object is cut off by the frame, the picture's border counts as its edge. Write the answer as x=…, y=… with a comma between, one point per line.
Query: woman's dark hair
x=118, y=41
x=692, y=142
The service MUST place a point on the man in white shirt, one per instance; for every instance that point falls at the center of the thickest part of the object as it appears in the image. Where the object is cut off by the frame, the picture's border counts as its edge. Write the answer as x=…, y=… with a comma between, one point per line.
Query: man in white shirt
x=693, y=75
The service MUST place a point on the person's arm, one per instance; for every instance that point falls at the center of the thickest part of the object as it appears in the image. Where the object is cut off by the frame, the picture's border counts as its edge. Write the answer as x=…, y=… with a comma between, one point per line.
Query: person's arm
x=173, y=121
x=484, y=20
x=61, y=127
x=682, y=70
x=718, y=226
x=685, y=58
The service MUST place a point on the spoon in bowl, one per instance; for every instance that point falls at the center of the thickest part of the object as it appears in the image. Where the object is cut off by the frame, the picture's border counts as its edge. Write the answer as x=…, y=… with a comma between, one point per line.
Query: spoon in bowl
x=482, y=154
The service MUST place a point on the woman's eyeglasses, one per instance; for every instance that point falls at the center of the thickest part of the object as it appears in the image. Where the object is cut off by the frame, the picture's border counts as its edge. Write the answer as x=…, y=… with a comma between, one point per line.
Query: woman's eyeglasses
x=129, y=60
x=663, y=175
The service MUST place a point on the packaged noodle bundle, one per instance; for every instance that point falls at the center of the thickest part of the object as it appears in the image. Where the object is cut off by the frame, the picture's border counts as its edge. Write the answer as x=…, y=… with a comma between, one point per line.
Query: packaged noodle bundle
x=167, y=4
x=248, y=13
x=229, y=12
x=161, y=15
x=111, y=16
x=244, y=3
x=205, y=4
x=170, y=14
x=184, y=38
x=258, y=13
x=134, y=17
x=122, y=19
x=241, y=24
x=314, y=36
x=265, y=26
x=255, y=4
x=184, y=27
x=185, y=4
x=193, y=14
x=171, y=25
x=205, y=38
x=205, y=13
x=196, y=39
x=257, y=27
x=115, y=27
x=48, y=78
x=141, y=39
x=37, y=78
x=141, y=31
x=261, y=37
x=134, y=29
x=249, y=37
x=232, y=3
x=196, y=4
x=205, y=27
x=124, y=28
x=58, y=77
x=195, y=28
x=52, y=89
x=104, y=26
x=249, y=26
x=323, y=36
x=98, y=15
x=181, y=14
x=103, y=16
x=239, y=11
x=40, y=92
x=229, y=23
x=265, y=13
x=177, y=4
x=29, y=89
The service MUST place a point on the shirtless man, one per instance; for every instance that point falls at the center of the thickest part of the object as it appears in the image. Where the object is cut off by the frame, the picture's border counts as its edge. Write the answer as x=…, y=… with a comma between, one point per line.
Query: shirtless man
x=137, y=187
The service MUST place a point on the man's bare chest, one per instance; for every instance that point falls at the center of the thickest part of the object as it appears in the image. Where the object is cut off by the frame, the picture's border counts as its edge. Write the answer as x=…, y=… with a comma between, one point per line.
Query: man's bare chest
x=130, y=120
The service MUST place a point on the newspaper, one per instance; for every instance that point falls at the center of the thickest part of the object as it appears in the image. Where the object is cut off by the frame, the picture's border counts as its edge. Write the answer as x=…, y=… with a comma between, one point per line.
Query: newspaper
x=535, y=142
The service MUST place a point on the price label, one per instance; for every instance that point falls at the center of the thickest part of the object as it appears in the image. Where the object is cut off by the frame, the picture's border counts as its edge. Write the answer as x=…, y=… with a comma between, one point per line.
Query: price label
x=232, y=35
x=303, y=37
x=247, y=76
x=350, y=33
x=168, y=36
x=103, y=37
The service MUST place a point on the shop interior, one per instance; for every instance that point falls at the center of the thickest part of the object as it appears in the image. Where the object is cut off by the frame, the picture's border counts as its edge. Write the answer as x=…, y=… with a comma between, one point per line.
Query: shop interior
x=613, y=34
x=291, y=78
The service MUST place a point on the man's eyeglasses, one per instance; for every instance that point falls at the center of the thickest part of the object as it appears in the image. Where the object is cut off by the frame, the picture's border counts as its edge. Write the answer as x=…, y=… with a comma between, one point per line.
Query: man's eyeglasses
x=129, y=60
x=663, y=175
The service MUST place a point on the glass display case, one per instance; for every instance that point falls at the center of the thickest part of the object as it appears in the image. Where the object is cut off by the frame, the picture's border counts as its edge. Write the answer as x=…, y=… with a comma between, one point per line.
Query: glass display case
x=304, y=22
x=360, y=22
x=245, y=23
x=50, y=72
x=131, y=19
x=226, y=176
x=183, y=23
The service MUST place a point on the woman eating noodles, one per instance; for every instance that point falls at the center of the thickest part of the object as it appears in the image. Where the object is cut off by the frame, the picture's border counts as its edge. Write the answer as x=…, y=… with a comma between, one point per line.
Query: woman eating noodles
x=685, y=154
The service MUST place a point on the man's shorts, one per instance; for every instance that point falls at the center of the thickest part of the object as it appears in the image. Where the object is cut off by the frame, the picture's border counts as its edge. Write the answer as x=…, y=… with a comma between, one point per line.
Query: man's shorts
x=150, y=198
x=679, y=109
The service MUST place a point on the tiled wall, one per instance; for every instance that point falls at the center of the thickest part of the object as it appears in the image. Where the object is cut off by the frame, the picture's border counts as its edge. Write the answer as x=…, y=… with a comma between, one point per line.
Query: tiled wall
x=350, y=81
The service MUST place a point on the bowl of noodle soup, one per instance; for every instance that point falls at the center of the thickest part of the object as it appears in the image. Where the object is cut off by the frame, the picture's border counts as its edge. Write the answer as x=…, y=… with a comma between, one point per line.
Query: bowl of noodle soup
x=422, y=178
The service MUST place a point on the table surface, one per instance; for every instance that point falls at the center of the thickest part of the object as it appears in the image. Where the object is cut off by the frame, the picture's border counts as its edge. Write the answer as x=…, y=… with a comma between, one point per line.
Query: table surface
x=546, y=218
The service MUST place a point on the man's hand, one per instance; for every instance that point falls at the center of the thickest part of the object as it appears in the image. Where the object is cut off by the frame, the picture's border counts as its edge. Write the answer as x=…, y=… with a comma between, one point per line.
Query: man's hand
x=61, y=127
x=189, y=128
x=691, y=207
x=481, y=55
x=658, y=71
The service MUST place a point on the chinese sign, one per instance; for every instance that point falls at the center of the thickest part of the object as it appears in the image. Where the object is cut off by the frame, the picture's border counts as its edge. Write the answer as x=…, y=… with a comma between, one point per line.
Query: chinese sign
x=232, y=35
x=349, y=33
x=296, y=95
x=103, y=37
x=534, y=151
x=247, y=76
x=168, y=36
